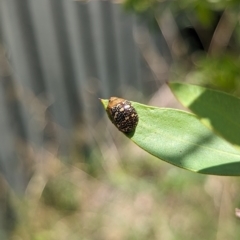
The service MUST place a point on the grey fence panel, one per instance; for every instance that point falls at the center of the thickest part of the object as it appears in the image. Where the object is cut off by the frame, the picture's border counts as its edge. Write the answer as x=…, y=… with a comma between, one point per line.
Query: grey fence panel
x=64, y=56
x=49, y=52
x=11, y=165
x=127, y=50
x=16, y=44
x=75, y=26
x=101, y=20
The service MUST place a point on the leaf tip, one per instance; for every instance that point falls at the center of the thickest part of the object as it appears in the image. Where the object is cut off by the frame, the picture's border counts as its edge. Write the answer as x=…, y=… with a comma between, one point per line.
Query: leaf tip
x=104, y=102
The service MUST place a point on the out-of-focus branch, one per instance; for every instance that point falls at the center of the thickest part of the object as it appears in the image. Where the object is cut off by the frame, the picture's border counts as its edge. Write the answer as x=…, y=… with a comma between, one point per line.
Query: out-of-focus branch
x=223, y=33
x=170, y=31
x=156, y=62
x=5, y=69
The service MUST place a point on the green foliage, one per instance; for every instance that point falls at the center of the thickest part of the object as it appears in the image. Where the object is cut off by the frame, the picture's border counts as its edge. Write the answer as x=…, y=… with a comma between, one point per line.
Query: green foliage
x=60, y=194
x=218, y=110
x=139, y=6
x=219, y=72
x=179, y=138
x=201, y=10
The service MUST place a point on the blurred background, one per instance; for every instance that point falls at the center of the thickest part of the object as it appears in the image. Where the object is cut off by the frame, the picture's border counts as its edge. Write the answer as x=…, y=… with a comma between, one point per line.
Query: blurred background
x=66, y=171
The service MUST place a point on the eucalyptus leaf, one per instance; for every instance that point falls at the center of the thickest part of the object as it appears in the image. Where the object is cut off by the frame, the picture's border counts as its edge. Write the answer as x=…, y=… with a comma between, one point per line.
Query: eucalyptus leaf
x=179, y=138
x=218, y=110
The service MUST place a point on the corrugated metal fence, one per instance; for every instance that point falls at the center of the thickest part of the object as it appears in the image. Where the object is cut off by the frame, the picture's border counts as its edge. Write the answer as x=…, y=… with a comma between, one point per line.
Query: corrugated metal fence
x=57, y=58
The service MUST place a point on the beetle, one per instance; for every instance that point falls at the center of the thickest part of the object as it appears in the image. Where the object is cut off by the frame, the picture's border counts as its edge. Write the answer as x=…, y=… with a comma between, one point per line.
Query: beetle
x=122, y=114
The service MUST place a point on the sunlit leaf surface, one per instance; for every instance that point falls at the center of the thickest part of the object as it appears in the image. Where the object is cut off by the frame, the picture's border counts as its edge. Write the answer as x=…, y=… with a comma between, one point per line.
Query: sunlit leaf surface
x=218, y=110
x=181, y=139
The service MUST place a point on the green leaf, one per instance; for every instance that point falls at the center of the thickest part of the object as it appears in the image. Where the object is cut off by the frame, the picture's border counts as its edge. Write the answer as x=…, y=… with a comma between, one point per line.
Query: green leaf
x=218, y=110
x=179, y=138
